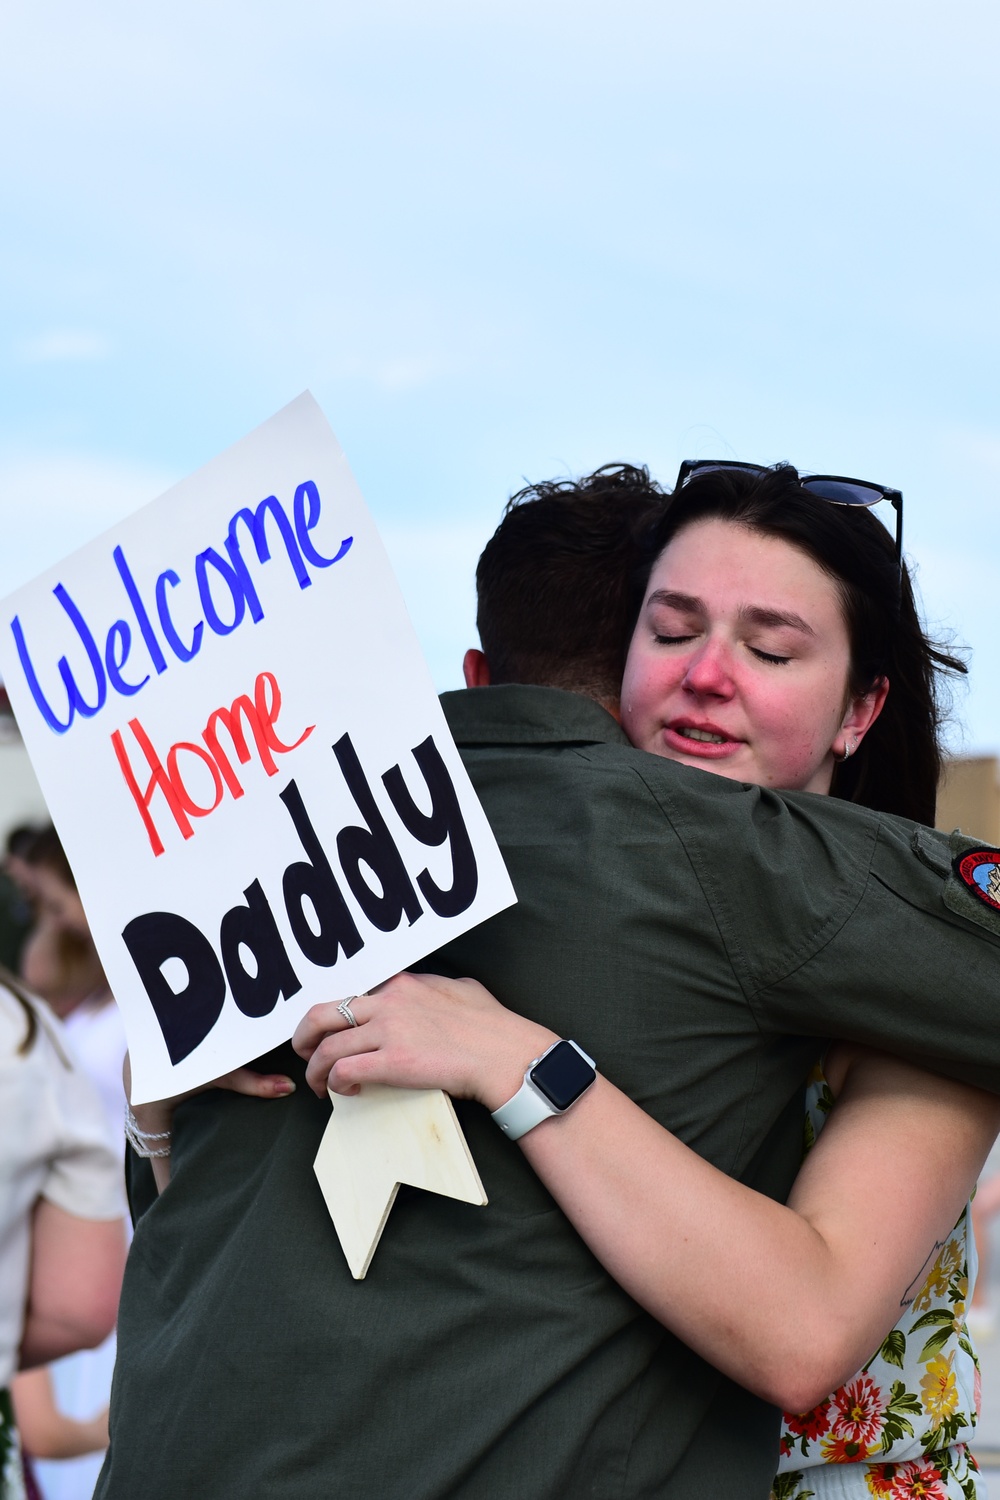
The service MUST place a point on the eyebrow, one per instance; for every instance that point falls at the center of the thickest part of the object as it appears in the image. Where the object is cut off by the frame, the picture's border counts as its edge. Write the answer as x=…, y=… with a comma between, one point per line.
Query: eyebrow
x=752, y=614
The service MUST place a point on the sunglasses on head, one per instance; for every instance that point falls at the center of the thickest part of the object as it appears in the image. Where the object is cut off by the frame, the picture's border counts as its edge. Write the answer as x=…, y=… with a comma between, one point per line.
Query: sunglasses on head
x=833, y=487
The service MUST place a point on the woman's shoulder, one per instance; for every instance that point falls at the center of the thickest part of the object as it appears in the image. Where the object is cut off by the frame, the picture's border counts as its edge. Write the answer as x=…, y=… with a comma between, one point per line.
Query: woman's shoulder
x=32, y=1040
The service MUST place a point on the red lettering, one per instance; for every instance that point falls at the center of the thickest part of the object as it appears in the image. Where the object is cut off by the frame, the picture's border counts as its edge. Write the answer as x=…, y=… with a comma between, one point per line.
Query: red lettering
x=159, y=778
x=231, y=719
x=260, y=714
x=270, y=711
x=183, y=795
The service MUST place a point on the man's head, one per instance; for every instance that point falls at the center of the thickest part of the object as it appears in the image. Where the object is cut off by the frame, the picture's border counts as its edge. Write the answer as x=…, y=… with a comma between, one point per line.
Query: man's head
x=554, y=583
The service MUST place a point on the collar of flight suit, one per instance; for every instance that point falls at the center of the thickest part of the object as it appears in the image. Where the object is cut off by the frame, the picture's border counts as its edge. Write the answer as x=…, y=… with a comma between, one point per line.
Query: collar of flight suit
x=516, y=714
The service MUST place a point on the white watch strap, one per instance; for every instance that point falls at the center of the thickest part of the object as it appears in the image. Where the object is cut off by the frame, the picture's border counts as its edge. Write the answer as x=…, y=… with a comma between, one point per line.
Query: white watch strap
x=528, y=1108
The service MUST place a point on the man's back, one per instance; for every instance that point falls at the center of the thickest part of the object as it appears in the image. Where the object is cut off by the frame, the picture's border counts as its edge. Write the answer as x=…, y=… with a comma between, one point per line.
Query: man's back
x=487, y=1354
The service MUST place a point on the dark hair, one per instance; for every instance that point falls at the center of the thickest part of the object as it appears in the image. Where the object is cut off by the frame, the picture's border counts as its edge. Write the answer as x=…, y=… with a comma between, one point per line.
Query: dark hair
x=897, y=766
x=8, y=981
x=40, y=845
x=554, y=581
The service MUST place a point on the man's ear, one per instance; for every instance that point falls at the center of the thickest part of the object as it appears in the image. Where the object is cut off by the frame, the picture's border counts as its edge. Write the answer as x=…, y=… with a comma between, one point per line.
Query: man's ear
x=476, y=668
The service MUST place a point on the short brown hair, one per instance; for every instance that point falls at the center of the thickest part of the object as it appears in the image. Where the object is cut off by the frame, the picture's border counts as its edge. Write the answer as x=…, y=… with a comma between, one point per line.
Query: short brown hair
x=553, y=582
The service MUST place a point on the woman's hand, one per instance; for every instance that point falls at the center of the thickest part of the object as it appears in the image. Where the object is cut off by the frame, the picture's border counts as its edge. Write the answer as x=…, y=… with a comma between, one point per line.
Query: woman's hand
x=421, y=1031
x=157, y=1116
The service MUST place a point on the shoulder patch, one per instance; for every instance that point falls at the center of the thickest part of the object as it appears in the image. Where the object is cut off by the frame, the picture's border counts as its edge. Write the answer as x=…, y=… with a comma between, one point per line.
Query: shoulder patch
x=979, y=869
x=972, y=888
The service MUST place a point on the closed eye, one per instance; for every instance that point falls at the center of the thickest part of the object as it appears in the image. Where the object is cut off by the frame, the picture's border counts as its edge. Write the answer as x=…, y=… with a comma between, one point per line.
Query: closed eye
x=769, y=656
x=672, y=640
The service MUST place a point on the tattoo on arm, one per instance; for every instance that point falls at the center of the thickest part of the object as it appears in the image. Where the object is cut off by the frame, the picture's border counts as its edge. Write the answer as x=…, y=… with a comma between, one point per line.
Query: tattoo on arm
x=921, y=1276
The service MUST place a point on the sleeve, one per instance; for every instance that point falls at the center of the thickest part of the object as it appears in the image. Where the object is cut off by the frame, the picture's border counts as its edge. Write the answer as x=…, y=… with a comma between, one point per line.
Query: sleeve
x=915, y=968
x=84, y=1174
x=844, y=923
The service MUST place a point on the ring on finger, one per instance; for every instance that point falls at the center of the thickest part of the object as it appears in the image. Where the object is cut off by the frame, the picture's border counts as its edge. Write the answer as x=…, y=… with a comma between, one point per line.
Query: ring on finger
x=345, y=1010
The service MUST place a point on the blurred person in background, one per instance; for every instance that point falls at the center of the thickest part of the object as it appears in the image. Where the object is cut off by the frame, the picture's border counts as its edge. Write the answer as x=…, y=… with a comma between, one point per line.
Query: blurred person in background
x=62, y=1239
x=62, y=1412
x=15, y=921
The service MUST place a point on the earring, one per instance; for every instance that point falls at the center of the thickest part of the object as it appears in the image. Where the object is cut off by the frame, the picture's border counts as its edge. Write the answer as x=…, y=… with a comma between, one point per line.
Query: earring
x=850, y=745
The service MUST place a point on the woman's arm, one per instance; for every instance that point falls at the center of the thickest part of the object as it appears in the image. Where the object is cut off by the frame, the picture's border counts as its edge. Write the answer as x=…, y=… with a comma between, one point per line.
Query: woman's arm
x=46, y=1432
x=788, y=1300
x=74, y=1282
x=156, y=1119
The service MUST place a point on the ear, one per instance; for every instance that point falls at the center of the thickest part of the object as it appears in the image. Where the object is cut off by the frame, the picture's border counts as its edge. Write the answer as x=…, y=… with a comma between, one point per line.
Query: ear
x=476, y=669
x=859, y=718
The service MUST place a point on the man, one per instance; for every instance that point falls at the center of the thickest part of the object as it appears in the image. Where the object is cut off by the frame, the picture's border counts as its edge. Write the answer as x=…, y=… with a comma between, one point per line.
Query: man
x=666, y=918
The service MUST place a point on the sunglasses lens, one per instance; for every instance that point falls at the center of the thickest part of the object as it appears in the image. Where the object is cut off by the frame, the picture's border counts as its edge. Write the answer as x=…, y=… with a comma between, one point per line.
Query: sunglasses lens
x=827, y=487
x=842, y=493
x=851, y=492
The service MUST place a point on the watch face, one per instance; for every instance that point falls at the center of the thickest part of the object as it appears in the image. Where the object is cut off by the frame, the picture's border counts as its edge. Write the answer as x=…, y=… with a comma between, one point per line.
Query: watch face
x=562, y=1075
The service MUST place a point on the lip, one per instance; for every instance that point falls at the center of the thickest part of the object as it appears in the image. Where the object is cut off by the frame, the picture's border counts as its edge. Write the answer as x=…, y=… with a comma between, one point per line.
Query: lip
x=700, y=749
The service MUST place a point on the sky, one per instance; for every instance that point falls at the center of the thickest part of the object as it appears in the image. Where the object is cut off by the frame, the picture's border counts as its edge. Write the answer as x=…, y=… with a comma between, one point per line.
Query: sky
x=504, y=242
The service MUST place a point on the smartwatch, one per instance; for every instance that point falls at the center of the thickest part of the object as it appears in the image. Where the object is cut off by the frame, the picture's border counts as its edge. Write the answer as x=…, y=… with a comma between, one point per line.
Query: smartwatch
x=551, y=1084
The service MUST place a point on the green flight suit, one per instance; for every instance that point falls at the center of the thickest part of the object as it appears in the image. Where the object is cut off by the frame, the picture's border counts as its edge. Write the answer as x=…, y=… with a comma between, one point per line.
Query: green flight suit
x=700, y=939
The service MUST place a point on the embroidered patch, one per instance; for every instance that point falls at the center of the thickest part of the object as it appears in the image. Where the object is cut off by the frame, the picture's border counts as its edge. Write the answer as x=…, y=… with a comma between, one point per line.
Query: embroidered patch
x=979, y=870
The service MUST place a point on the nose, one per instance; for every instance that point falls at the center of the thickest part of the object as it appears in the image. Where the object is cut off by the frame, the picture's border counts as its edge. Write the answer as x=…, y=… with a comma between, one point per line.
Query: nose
x=709, y=673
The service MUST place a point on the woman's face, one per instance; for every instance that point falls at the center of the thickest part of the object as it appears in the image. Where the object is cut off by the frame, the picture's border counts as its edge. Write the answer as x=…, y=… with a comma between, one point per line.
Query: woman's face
x=740, y=660
x=58, y=902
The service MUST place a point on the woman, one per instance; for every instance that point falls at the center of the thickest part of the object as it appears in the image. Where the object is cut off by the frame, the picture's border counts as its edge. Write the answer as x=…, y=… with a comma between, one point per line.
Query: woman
x=60, y=963
x=778, y=643
x=58, y=960
x=697, y=671
x=62, y=1242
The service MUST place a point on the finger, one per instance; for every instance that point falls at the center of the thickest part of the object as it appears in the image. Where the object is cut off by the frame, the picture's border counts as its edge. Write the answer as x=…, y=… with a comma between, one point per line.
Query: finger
x=256, y=1085
x=325, y=1018
x=332, y=1049
x=347, y=1076
x=314, y=1026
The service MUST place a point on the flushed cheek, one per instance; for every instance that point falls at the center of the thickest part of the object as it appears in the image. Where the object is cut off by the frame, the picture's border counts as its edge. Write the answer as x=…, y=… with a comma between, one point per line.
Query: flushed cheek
x=797, y=757
x=647, y=692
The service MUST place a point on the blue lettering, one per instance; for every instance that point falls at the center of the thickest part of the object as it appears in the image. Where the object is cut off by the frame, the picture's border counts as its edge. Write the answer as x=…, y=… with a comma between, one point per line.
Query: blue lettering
x=232, y=581
x=305, y=520
x=254, y=522
x=75, y=699
x=243, y=573
x=229, y=565
x=116, y=650
x=28, y=668
x=145, y=624
x=177, y=646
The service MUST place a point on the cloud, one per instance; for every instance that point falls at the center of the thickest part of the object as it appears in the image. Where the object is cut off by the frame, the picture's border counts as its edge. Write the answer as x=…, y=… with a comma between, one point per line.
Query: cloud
x=52, y=505
x=435, y=564
x=406, y=373
x=62, y=344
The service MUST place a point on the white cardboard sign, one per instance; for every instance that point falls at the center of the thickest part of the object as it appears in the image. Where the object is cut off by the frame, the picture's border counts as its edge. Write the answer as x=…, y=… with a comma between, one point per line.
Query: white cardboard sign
x=240, y=745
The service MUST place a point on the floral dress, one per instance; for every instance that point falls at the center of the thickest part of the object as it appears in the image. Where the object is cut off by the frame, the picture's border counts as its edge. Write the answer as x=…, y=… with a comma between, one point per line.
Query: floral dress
x=899, y=1429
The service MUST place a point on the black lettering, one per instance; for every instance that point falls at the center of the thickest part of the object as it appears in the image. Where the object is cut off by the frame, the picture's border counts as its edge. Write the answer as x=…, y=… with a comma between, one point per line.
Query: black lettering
x=254, y=926
x=373, y=846
x=186, y=1018
x=313, y=879
x=444, y=821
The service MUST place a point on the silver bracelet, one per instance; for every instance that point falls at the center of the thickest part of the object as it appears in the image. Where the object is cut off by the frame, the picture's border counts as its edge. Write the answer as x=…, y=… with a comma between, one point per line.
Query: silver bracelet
x=141, y=1141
